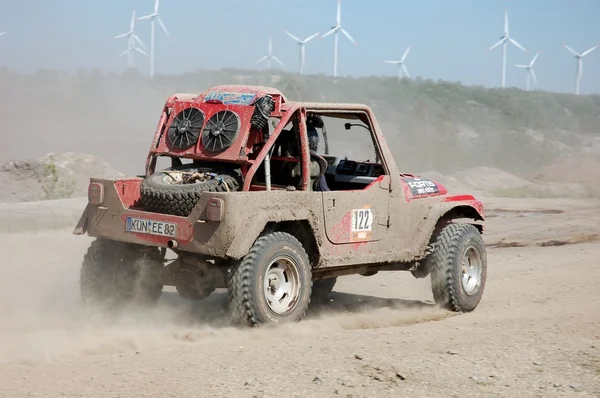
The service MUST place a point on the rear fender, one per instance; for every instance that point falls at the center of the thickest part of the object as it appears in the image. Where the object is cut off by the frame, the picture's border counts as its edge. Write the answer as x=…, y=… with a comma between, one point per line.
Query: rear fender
x=246, y=237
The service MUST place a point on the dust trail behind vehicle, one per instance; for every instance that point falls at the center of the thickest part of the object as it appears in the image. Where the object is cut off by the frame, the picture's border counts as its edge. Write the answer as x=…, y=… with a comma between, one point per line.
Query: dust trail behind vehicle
x=42, y=318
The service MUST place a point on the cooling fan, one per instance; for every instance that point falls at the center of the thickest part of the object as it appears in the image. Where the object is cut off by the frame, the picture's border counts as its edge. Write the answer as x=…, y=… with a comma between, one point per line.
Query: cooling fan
x=220, y=131
x=185, y=128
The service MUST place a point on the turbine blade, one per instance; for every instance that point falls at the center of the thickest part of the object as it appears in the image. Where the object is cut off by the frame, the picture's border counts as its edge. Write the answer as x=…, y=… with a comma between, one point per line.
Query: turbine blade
x=263, y=58
x=333, y=30
x=141, y=51
x=533, y=75
x=534, y=58
x=149, y=16
x=506, y=22
x=522, y=66
x=571, y=50
x=339, y=13
x=162, y=25
x=136, y=38
x=405, y=54
x=293, y=37
x=277, y=60
x=404, y=70
x=497, y=44
x=517, y=44
x=116, y=37
x=132, y=23
x=309, y=38
x=3, y=33
x=348, y=35
x=589, y=51
x=392, y=62
x=156, y=6
x=124, y=52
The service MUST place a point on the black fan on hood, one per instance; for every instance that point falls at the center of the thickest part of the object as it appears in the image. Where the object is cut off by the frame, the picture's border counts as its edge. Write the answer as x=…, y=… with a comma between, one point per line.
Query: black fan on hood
x=220, y=131
x=185, y=129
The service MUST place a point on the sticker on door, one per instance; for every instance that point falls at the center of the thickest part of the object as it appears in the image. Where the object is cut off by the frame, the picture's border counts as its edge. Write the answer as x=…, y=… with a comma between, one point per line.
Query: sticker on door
x=361, y=227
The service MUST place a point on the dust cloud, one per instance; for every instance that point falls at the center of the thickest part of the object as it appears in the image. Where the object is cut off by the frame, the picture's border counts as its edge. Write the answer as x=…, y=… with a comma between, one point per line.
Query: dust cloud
x=42, y=318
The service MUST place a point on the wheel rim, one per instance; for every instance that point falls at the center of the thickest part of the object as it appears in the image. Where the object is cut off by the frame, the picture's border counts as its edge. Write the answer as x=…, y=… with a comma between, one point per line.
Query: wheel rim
x=282, y=285
x=472, y=270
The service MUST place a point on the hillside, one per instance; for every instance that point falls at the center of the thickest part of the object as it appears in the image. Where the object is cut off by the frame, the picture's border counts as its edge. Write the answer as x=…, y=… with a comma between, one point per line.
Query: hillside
x=430, y=125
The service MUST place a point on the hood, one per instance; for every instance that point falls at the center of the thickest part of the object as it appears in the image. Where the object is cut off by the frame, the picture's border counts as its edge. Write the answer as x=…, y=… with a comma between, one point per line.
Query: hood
x=416, y=187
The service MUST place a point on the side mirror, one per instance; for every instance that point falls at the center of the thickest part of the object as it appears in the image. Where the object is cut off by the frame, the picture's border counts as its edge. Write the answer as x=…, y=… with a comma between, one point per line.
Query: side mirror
x=348, y=126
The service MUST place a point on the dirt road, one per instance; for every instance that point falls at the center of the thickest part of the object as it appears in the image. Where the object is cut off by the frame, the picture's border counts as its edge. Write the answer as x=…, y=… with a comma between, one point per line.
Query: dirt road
x=535, y=333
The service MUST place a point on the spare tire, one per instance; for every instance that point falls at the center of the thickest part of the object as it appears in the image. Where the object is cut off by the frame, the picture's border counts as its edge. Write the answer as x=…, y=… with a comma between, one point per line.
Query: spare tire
x=163, y=192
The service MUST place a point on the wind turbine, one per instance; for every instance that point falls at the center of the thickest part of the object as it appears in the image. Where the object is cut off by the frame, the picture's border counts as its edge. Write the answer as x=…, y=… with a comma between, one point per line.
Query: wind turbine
x=301, y=44
x=579, y=58
x=530, y=71
x=153, y=18
x=3, y=33
x=131, y=39
x=334, y=31
x=504, y=41
x=401, y=67
x=270, y=56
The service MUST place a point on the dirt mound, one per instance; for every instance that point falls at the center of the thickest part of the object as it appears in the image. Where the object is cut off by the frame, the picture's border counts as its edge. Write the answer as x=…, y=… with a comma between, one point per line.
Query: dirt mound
x=54, y=176
x=577, y=168
x=490, y=179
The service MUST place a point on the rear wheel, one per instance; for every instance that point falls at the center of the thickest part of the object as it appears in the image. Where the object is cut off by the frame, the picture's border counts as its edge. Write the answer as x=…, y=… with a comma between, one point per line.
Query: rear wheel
x=115, y=273
x=272, y=284
x=458, y=267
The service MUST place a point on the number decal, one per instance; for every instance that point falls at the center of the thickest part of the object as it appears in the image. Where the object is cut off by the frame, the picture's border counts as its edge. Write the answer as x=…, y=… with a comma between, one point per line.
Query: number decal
x=362, y=220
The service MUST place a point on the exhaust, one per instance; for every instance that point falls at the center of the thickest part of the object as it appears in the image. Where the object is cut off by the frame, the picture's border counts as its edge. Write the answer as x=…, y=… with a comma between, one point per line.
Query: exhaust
x=172, y=244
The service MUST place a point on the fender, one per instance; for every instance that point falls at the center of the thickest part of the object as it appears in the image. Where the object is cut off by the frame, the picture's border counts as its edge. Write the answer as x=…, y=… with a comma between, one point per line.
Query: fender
x=245, y=238
x=453, y=207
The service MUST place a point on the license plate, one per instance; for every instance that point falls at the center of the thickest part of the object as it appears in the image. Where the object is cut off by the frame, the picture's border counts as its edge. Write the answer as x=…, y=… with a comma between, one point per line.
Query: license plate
x=152, y=227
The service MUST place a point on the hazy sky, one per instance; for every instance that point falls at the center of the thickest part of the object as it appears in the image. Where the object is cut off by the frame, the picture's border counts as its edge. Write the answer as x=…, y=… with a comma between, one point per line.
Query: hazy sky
x=450, y=39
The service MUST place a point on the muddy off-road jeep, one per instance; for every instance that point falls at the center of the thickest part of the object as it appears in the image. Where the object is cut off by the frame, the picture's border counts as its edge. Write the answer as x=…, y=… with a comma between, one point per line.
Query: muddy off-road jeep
x=250, y=199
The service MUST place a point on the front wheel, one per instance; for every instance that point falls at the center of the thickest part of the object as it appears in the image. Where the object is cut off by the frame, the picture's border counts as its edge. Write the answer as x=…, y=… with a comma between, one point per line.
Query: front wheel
x=458, y=268
x=272, y=284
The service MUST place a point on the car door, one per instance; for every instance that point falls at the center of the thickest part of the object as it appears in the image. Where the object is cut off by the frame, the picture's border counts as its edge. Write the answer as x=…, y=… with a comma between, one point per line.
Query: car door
x=358, y=215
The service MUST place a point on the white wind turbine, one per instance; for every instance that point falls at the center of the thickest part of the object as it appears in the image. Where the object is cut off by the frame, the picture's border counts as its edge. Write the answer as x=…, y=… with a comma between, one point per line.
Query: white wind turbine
x=401, y=67
x=579, y=58
x=301, y=44
x=270, y=56
x=334, y=31
x=153, y=18
x=530, y=71
x=132, y=38
x=504, y=41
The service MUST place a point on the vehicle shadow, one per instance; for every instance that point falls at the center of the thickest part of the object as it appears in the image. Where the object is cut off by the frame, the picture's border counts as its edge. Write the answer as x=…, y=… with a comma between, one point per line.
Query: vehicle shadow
x=213, y=310
x=338, y=303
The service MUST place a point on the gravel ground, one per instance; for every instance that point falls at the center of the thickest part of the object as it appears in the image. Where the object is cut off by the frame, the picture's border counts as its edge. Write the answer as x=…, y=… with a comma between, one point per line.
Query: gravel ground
x=536, y=332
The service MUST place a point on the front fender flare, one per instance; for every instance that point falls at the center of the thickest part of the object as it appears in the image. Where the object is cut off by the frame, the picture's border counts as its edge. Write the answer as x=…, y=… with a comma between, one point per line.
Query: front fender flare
x=468, y=208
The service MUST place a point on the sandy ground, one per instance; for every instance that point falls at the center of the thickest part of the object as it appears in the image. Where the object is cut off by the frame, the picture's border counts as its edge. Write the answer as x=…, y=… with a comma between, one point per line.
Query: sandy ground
x=535, y=333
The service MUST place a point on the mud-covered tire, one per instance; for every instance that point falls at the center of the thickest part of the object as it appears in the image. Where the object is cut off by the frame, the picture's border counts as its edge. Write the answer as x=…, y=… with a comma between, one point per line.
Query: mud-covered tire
x=321, y=289
x=248, y=295
x=454, y=242
x=116, y=273
x=159, y=196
